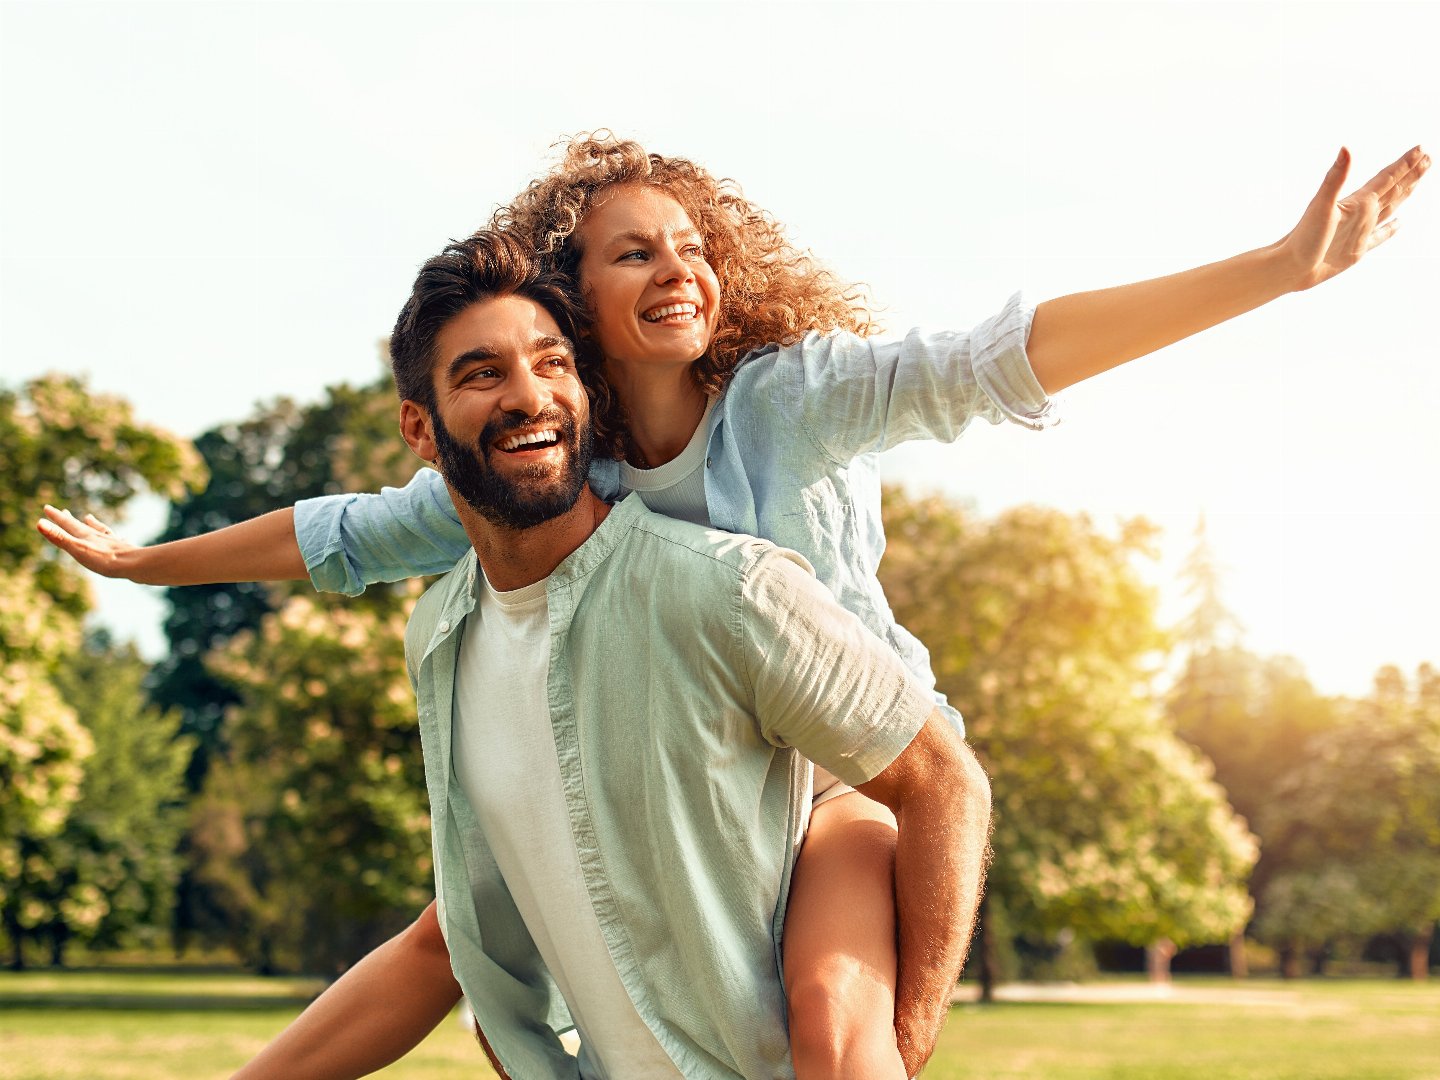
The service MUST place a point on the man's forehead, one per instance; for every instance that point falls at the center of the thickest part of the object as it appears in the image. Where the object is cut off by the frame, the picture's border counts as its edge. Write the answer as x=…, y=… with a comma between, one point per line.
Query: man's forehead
x=500, y=326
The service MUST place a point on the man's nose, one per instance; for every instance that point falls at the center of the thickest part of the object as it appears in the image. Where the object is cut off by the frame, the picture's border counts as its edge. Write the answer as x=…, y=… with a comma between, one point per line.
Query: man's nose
x=526, y=393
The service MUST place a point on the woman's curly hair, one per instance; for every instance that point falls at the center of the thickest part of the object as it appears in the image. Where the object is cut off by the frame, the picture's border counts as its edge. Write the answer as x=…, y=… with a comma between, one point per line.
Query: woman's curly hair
x=770, y=291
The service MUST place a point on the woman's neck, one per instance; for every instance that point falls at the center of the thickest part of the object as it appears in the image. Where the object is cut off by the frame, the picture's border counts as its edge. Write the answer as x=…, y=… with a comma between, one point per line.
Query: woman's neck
x=663, y=411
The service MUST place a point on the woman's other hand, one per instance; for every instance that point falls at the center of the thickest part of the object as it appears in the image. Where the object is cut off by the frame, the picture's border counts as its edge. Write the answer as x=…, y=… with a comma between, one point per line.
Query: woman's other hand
x=1334, y=232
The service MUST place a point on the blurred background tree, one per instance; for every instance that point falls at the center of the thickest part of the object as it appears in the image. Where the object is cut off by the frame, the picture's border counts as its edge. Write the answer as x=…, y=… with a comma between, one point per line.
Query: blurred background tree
x=64, y=446
x=1042, y=633
x=1357, y=825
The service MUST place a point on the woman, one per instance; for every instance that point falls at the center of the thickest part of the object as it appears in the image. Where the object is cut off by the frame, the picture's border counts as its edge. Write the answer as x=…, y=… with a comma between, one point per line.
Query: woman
x=684, y=279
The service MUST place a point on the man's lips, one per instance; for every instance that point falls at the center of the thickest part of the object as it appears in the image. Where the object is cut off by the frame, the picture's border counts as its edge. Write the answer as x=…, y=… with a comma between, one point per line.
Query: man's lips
x=529, y=441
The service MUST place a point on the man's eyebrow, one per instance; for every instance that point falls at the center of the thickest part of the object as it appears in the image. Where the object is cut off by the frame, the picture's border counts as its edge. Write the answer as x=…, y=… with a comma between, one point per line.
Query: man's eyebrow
x=552, y=341
x=478, y=355
x=484, y=354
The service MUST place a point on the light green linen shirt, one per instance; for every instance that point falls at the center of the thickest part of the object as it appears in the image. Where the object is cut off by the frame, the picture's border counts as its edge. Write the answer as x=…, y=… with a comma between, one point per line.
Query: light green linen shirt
x=689, y=671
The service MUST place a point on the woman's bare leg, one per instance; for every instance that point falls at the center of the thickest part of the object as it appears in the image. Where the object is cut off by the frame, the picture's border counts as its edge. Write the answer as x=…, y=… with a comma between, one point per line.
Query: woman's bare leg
x=373, y=1015
x=839, y=946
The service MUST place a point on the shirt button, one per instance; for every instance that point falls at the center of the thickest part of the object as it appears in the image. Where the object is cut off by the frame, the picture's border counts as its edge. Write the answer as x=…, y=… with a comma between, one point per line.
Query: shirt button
x=445, y=626
x=707, y=463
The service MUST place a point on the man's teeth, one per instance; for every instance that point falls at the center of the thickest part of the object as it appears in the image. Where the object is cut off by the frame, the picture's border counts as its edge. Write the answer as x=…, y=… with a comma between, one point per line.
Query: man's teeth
x=535, y=437
x=655, y=315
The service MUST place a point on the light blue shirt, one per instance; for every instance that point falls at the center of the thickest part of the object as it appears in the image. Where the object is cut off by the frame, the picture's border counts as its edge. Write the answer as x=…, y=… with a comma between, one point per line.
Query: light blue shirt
x=689, y=671
x=791, y=455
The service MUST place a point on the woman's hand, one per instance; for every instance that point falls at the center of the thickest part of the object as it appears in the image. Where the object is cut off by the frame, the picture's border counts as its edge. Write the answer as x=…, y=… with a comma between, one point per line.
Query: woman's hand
x=1335, y=232
x=91, y=543
x=261, y=549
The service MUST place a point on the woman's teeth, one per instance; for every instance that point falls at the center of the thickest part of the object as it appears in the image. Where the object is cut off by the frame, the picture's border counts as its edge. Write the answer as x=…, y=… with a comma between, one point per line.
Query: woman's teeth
x=688, y=311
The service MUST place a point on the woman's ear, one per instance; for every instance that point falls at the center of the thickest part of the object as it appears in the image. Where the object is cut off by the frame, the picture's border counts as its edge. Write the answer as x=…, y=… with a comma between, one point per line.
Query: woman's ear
x=417, y=430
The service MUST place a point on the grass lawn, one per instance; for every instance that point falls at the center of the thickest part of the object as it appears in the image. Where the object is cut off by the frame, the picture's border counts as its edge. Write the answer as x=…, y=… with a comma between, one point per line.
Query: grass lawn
x=187, y=1026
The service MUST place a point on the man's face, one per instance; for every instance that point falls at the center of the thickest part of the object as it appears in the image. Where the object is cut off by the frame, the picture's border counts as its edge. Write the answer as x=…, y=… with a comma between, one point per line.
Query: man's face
x=511, y=420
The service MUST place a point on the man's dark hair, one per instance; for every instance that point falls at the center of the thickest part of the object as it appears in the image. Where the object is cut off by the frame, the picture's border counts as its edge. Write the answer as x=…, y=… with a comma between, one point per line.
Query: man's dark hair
x=488, y=264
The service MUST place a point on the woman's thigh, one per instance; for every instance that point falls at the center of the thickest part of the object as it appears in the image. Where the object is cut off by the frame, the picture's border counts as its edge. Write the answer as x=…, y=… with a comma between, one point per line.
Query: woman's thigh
x=840, y=917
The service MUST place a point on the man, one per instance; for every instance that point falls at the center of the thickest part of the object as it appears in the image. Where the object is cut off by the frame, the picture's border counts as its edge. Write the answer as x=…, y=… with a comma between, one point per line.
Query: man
x=609, y=700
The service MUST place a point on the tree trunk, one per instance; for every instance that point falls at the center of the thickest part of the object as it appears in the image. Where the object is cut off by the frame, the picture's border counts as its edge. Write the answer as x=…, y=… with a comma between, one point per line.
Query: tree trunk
x=1157, y=960
x=1420, y=953
x=58, y=937
x=1290, y=961
x=1239, y=961
x=989, y=952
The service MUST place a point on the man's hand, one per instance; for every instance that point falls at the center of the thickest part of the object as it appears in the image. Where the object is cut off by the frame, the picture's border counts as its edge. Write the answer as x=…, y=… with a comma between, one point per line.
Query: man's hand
x=941, y=799
x=1334, y=232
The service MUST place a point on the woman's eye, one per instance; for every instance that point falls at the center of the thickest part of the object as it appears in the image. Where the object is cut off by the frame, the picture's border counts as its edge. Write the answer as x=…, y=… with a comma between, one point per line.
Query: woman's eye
x=635, y=256
x=693, y=251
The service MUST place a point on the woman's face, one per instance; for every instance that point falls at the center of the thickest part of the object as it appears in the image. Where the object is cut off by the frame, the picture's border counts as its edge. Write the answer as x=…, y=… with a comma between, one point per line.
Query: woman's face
x=653, y=296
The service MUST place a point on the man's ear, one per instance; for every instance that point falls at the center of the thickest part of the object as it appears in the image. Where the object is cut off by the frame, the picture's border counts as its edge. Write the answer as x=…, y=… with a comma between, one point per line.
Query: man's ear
x=416, y=429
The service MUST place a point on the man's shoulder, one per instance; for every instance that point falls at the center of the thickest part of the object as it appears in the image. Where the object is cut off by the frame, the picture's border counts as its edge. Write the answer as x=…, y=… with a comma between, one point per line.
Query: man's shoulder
x=695, y=547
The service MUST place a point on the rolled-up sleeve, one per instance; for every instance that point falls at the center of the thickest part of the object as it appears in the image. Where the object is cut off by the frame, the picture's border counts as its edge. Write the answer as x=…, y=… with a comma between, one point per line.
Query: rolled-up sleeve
x=855, y=395
x=350, y=541
x=823, y=683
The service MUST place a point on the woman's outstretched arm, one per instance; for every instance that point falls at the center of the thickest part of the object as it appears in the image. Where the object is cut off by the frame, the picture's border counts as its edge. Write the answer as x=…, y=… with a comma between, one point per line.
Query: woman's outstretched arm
x=1078, y=336
x=372, y=1016
x=261, y=549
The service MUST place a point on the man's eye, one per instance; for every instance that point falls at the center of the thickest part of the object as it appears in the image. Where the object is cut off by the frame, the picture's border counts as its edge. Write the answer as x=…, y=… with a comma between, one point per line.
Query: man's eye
x=557, y=363
x=634, y=256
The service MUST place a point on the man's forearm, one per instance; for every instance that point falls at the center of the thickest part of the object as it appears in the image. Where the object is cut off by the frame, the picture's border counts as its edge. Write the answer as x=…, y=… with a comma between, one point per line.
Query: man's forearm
x=1077, y=336
x=941, y=799
x=940, y=858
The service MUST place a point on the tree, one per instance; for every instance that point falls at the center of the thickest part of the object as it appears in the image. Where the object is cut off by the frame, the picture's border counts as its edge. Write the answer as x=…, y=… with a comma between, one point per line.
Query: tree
x=110, y=872
x=1043, y=635
x=312, y=830
x=1358, y=820
x=310, y=834
x=65, y=446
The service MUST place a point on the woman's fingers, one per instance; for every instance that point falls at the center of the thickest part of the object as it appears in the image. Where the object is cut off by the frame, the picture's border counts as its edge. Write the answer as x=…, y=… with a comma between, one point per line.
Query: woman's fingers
x=1381, y=233
x=67, y=521
x=1402, y=185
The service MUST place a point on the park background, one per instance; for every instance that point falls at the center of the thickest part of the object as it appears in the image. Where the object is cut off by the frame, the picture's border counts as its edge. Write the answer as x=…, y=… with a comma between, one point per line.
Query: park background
x=210, y=213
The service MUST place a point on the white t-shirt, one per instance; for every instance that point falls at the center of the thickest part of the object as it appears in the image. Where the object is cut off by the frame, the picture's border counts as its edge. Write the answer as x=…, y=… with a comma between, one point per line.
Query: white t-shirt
x=505, y=762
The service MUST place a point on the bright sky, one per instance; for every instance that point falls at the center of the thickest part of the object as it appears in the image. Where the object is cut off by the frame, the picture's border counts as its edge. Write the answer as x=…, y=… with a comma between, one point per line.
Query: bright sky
x=207, y=204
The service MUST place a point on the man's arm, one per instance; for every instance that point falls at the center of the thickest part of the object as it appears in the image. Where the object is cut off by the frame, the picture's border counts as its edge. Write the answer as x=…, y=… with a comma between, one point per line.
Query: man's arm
x=940, y=796
x=261, y=549
x=1077, y=336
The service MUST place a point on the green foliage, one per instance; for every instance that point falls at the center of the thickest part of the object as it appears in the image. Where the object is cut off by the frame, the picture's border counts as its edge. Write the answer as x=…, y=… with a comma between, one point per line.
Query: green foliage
x=312, y=832
x=1357, y=820
x=110, y=871
x=1043, y=635
x=61, y=445
x=282, y=454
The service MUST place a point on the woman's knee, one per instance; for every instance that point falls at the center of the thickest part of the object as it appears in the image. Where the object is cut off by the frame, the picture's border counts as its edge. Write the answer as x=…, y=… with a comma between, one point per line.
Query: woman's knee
x=842, y=1024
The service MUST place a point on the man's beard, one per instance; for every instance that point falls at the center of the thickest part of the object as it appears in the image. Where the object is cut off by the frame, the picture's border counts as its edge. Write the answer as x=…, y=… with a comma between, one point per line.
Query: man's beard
x=531, y=497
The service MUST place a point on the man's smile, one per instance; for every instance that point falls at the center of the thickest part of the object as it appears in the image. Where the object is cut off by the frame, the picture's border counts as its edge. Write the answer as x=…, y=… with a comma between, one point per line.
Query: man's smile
x=529, y=441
